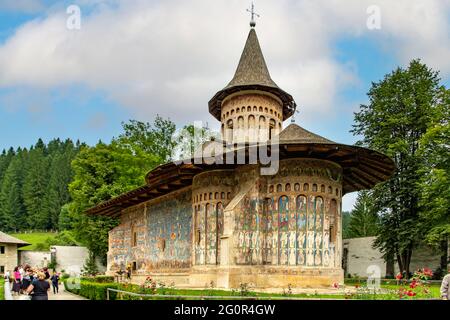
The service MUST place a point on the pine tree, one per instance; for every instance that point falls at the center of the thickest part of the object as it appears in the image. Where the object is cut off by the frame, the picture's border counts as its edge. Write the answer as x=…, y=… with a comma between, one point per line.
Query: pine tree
x=12, y=212
x=364, y=218
x=35, y=186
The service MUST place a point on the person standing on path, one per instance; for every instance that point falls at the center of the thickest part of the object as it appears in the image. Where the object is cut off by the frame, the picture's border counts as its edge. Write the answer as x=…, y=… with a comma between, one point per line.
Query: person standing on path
x=39, y=288
x=445, y=287
x=17, y=281
x=55, y=282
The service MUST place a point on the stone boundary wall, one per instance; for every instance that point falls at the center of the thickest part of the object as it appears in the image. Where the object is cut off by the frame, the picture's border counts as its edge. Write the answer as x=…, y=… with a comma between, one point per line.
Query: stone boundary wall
x=361, y=255
x=71, y=259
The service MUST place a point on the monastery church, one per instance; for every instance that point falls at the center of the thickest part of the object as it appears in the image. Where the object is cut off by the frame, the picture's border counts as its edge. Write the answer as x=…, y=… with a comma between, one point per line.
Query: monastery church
x=212, y=222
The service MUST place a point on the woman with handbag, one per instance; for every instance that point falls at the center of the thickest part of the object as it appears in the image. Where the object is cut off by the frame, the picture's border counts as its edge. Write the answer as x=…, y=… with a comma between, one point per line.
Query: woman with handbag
x=39, y=288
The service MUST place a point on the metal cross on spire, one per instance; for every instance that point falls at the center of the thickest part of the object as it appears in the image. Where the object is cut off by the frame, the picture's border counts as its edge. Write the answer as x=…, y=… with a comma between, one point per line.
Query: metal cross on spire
x=253, y=13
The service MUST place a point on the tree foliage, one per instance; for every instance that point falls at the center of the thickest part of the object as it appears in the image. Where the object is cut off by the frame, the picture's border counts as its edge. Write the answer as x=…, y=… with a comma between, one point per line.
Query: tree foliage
x=108, y=170
x=399, y=113
x=364, y=218
x=435, y=180
x=33, y=185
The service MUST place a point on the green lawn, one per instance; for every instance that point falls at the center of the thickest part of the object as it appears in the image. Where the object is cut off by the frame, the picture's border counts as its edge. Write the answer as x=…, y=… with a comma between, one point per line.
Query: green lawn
x=2, y=289
x=33, y=238
x=97, y=291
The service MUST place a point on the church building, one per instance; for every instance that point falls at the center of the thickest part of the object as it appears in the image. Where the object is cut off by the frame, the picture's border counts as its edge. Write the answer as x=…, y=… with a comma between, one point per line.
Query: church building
x=227, y=223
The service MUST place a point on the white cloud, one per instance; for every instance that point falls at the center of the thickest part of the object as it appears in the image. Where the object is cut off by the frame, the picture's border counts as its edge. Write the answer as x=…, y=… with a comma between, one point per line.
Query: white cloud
x=170, y=57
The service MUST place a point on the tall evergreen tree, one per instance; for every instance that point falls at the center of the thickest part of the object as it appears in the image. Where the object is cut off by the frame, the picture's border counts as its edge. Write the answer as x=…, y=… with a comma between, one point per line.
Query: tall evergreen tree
x=364, y=219
x=12, y=211
x=35, y=186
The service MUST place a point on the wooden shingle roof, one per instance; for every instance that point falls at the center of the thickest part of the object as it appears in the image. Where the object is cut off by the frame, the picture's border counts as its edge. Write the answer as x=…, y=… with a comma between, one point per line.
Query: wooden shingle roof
x=252, y=74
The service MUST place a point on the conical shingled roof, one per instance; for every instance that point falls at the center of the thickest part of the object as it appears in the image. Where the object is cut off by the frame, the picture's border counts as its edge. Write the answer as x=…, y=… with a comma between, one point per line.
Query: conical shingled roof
x=252, y=74
x=252, y=68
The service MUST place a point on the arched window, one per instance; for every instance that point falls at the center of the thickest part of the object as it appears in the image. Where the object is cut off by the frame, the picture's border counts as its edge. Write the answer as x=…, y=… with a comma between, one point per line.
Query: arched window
x=318, y=241
x=255, y=108
x=302, y=210
x=305, y=187
x=322, y=188
x=271, y=128
x=283, y=230
x=222, y=195
x=262, y=128
x=201, y=198
x=229, y=133
x=271, y=189
x=260, y=109
x=266, y=110
x=333, y=218
x=252, y=127
x=243, y=109
x=279, y=188
x=297, y=187
x=288, y=187
x=216, y=195
x=232, y=112
x=314, y=188
x=330, y=190
x=249, y=109
x=210, y=196
x=219, y=233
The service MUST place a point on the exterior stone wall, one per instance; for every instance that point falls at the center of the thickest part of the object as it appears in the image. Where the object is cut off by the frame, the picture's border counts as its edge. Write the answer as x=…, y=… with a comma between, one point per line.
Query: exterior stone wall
x=154, y=237
x=71, y=259
x=9, y=259
x=251, y=117
x=361, y=255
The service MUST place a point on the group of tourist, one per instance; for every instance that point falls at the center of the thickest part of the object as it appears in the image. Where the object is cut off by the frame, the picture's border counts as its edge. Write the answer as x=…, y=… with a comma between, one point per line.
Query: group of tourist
x=34, y=282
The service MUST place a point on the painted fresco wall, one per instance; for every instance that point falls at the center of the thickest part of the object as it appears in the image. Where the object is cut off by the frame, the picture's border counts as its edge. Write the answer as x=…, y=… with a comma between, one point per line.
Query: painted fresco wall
x=295, y=222
x=211, y=193
x=169, y=226
x=127, y=242
x=153, y=236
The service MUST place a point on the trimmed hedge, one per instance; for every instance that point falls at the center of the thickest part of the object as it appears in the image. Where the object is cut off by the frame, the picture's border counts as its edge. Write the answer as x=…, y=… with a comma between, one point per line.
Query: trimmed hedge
x=91, y=290
x=2, y=288
x=99, y=279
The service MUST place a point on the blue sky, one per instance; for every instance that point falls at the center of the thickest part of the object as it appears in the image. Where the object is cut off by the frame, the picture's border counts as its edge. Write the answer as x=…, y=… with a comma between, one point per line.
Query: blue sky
x=135, y=59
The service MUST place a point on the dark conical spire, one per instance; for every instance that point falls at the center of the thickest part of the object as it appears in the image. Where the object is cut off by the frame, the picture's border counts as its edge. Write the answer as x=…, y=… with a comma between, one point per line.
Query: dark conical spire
x=252, y=68
x=252, y=74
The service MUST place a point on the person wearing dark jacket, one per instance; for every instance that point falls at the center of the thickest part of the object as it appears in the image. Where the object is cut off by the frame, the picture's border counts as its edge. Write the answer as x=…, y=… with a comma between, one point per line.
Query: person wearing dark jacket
x=55, y=282
x=39, y=288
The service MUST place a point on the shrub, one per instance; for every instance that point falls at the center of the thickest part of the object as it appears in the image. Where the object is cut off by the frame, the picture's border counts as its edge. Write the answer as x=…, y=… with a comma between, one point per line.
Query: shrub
x=92, y=290
x=99, y=279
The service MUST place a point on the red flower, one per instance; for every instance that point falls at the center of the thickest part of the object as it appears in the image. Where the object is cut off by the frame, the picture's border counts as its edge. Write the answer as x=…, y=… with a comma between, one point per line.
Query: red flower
x=336, y=285
x=398, y=276
x=410, y=293
x=357, y=286
x=413, y=284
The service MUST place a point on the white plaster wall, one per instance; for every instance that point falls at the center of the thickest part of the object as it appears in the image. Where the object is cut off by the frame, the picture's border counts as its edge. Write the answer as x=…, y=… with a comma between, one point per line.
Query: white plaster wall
x=35, y=258
x=361, y=255
x=71, y=259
